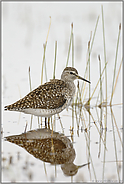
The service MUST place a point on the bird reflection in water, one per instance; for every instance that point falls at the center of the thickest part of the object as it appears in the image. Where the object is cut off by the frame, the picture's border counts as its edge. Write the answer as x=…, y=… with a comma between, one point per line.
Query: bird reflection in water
x=49, y=146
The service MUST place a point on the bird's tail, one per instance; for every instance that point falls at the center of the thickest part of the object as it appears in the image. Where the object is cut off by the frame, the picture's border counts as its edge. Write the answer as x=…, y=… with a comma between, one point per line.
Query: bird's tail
x=8, y=107
x=11, y=107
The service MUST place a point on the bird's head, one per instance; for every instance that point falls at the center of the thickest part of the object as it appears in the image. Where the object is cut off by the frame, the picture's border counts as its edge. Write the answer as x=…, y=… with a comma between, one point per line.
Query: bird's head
x=70, y=74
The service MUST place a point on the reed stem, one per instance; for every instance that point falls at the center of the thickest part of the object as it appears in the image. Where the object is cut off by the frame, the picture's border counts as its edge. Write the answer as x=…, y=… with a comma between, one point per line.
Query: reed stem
x=115, y=63
x=55, y=60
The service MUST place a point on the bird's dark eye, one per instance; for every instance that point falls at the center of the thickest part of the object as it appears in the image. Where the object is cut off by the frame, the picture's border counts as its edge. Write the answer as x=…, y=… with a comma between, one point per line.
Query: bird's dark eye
x=71, y=73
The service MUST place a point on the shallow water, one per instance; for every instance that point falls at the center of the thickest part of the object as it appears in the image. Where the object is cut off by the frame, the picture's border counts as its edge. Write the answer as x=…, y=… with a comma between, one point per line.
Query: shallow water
x=24, y=30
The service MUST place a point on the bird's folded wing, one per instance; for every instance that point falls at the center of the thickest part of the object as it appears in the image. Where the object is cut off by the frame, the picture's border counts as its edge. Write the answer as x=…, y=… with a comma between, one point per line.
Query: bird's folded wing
x=51, y=95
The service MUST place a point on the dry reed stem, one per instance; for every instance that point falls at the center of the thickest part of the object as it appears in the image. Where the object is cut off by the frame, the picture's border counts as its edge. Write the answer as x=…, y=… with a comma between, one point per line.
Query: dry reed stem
x=97, y=83
x=55, y=60
x=116, y=81
x=115, y=145
x=86, y=137
x=45, y=171
x=29, y=71
x=116, y=127
x=44, y=45
x=70, y=44
x=115, y=63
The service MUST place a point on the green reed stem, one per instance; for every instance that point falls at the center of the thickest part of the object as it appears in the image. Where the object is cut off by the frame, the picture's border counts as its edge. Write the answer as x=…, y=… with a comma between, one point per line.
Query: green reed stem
x=61, y=123
x=72, y=47
x=45, y=70
x=94, y=34
x=72, y=117
x=89, y=73
x=104, y=48
x=98, y=81
x=30, y=79
x=92, y=42
x=101, y=107
x=44, y=46
x=86, y=137
x=115, y=145
x=117, y=128
x=88, y=100
x=30, y=90
x=104, y=156
x=115, y=63
x=69, y=45
x=90, y=50
x=45, y=170
x=76, y=117
x=104, y=58
x=55, y=60
x=117, y=76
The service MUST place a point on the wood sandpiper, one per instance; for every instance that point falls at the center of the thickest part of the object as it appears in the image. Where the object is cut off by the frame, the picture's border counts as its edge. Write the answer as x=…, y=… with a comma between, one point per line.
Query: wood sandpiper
x=50, y=98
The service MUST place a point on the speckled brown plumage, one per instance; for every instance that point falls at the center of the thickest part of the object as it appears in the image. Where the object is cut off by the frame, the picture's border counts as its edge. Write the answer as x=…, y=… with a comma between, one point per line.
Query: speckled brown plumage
x=50, y=98
x=48, y=146
x=53, y=148
x=47, y=96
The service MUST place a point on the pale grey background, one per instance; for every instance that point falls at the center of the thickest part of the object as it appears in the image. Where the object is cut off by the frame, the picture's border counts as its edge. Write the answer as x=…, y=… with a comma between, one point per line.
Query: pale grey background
x=24, y=30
